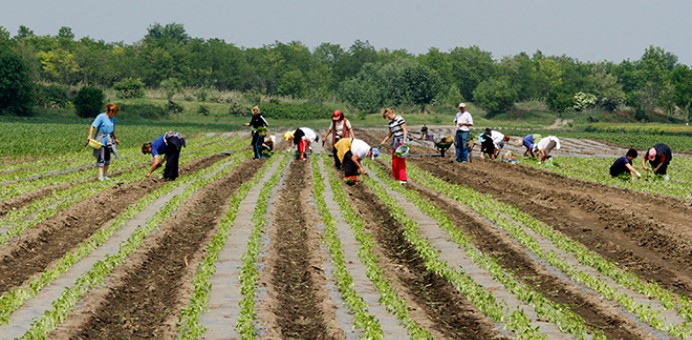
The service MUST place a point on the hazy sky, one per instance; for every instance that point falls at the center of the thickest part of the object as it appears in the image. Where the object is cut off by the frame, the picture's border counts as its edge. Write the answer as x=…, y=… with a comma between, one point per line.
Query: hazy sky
x=588, y=30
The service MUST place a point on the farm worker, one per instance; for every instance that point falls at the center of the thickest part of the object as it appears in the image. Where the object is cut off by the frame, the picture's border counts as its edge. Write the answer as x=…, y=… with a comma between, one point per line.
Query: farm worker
x=659, y=157
x=302, y=138
x=545, y=146
x=624, y=164
x=268, y=145
x=104, y=124
x=339, y=128
x=529, y=143
x=424, y=132
x=399, y=134
x=351, y=153
x=493, y=142
x=463, y=120
x=169, y=145
x=257, y=122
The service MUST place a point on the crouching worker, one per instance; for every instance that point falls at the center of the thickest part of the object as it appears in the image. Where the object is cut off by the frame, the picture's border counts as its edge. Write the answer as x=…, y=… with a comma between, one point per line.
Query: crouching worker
x=529, y=143
x=168, y=145
x=268, y=146
x=492, y=142
x=351, y=153
x=545, y=146
x=659, y=157
x=302, y=138
x=624, y=164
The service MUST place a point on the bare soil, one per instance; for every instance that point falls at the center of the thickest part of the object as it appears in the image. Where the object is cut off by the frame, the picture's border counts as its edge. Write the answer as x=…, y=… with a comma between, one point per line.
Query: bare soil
x=445, y=310
x=37, y=248
x=296, y=278
x=143, y=296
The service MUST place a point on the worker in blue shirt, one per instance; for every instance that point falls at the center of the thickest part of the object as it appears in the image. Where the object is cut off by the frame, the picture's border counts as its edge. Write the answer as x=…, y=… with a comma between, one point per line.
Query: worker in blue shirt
x=169, y=145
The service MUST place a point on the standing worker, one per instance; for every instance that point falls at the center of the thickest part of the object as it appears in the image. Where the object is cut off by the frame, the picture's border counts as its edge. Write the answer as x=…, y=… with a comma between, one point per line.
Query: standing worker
x=257, y=122
x=339, y=128
x=169, y=145
x=659, y=157
x=399, y=134
x=545, y=146
x=104, y=124
x=624, y=164
x=302, y=138
x=351, y=153
x=424, y=132
x=463, y=121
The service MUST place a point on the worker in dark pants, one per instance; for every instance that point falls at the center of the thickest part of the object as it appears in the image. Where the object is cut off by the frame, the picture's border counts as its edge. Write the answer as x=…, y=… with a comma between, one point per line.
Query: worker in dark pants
x=659, y=157
x=169, y=144
x=257, y=122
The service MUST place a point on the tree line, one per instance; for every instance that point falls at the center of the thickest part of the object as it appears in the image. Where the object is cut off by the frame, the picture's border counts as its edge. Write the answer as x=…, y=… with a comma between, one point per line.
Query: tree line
x=362, y=76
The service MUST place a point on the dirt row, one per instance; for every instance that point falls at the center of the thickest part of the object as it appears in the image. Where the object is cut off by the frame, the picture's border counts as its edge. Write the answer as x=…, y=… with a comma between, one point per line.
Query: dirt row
x=40, y=246
x=297, y=297
x=438, y=306
x=647, y=234
x=144, y=295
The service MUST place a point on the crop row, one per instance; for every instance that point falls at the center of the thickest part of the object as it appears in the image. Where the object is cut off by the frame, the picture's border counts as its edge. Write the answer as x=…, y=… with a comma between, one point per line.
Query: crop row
x=496, y=212
x=96, y=276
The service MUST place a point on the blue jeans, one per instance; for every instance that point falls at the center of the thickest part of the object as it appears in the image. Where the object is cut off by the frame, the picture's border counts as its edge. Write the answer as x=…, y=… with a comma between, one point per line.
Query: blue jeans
x=462, y=145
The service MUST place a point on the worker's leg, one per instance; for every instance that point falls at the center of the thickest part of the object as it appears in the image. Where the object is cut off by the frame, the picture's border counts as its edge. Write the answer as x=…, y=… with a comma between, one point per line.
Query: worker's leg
x=465, y=137
x=459, y=146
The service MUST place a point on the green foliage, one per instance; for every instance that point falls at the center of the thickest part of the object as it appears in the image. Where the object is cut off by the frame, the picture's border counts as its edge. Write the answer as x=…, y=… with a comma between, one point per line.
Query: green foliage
x=16, y=88
x=495, y=95
x=89, y=102
x=583, y=101
x=172, y=87
x=52, y=96
x=298, y=111
x=129, y=88
x=203, y=110
x=148, y=111
x=174, y=107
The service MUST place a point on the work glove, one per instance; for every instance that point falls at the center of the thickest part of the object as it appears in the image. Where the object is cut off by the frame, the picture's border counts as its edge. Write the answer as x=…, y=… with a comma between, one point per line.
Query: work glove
x=638, y=174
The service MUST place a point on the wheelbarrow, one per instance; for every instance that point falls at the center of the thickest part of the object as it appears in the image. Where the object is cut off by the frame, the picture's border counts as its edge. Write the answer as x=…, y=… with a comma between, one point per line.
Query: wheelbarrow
x=443, y=145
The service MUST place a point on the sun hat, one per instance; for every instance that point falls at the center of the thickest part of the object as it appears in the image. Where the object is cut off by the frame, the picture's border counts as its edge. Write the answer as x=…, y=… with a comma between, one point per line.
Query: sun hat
x=337, y=115
x=375, y=153
x=288, y=135
x=462, y=105
x=652, y=154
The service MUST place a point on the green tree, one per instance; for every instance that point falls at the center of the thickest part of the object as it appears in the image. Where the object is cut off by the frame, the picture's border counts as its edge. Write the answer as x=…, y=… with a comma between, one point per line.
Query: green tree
x=471, y=66
x=495, y=95
x=16, y=89
x=88, y=102
x=129, y=88
x=681, y=78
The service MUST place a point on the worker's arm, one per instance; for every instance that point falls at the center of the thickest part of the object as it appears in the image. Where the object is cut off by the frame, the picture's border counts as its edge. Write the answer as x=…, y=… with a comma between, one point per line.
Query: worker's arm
x=658, y=167
x=386, y=138
x=644, y=163
x=356, y=160
x=403, y=127
x=543, y=156
x=329, y=130
x=633, y=171
x=154, y=164
x=91, y=133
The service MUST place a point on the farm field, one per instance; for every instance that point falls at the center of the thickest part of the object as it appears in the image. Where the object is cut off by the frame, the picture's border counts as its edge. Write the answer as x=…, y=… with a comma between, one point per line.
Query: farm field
x=280, y=248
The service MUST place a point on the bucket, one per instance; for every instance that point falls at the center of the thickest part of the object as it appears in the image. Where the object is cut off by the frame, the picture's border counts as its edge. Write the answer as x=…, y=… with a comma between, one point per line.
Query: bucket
x=402, y=151
x=95, y=144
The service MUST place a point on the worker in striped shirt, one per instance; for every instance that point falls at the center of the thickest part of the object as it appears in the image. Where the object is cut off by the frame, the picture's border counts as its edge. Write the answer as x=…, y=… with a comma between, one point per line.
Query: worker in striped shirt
x=399, y=135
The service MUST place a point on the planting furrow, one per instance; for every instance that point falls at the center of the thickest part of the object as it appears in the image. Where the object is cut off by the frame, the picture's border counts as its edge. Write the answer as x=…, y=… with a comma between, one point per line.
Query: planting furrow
x=51, y=239
x=566, y=259
x=296, y=293
x=213, y=309
x=370, y=316
x=143, y=296
x=48, y=287
x=249, y=272
x=619, y=228
x=446, y=252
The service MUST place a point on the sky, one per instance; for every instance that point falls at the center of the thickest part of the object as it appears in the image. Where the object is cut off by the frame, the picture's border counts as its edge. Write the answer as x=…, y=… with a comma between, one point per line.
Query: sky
x=586, y=30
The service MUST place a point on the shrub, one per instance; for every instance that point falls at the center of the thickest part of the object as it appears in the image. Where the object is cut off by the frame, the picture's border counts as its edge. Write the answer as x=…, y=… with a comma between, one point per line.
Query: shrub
x=88, y=102
x=129, y=88
x=16, y=88
x=174, y=107
x=298, y=111
x=235, y=109
x=52, y=96
x=148, y=111
x=203, y=109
